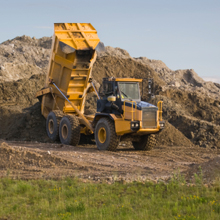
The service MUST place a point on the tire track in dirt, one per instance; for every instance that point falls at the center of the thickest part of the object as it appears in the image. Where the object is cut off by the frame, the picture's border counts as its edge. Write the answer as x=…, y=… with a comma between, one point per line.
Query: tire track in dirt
x=45, y=160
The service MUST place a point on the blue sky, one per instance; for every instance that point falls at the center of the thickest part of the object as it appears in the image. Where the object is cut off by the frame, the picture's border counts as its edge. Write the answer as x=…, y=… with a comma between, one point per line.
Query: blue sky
x=184, y=34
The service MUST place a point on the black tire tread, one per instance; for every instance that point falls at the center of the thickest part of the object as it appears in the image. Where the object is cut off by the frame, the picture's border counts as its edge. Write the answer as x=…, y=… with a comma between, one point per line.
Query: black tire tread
x=114, y=138
x=58, y=114
x=146, y=143
x=75, y=130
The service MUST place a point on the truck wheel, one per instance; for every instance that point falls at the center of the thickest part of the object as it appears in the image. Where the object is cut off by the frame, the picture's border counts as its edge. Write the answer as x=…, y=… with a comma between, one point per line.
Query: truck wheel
x=105, y=136
x=52, y=124
x=69, y=130
x=146, y=143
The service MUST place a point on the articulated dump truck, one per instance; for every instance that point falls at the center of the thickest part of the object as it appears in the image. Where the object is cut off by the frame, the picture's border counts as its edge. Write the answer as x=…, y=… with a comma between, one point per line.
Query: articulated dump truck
x=120, y=116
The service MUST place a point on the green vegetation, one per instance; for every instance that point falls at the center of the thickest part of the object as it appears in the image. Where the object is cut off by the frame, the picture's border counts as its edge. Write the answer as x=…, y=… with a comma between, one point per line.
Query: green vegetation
x=73, y=199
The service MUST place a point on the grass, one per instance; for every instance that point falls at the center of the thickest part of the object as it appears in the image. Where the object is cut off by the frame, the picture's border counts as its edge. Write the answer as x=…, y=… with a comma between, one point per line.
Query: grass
x=72, y=199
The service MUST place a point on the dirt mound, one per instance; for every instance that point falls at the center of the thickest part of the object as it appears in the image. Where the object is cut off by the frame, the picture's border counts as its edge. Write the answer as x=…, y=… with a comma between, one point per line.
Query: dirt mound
x=21, y=92
x=191, y=105
x=23, y=57
x=108, y=66
x=209, y=170
x=195, y=115
x=114, y=52
x=20, y=114
x=23, y=124
x=21, y=158
x=172, y=137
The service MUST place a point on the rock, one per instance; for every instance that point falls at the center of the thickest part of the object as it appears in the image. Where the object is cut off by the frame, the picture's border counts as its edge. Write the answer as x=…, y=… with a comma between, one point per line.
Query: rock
x=204, y=145
x=177, y=84
x=192, y=135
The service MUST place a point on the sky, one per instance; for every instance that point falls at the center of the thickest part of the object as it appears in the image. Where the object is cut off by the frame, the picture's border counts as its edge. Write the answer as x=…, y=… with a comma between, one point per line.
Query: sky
x=184, y=34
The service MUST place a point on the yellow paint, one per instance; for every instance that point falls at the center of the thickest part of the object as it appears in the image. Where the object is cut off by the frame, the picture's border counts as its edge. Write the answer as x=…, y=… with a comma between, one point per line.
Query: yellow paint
x=111, y=98
x=128, y=80
x=69, y=70
x=102, y=135
x=130, y=111
x=123, y=126
x=147, y=131
x=80, y=36
x=159, y=105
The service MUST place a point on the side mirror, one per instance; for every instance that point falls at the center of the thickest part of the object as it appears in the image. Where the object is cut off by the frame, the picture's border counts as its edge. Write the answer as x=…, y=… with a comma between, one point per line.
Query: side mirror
x=111, y=98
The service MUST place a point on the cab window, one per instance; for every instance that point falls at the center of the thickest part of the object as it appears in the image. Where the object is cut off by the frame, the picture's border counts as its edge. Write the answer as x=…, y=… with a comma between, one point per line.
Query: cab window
x=129, y=90
x=108, y=88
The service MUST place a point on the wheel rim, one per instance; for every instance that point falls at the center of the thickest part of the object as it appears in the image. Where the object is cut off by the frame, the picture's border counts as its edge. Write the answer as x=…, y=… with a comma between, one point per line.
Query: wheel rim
x=102, y=135
x=51, y=126
x=64, y=131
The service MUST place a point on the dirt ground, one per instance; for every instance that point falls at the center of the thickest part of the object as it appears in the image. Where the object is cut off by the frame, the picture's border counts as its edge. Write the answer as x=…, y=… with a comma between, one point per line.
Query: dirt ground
x=33, y=160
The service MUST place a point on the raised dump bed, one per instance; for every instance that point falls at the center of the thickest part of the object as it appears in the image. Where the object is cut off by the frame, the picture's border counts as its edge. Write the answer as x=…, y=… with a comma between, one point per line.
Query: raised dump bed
x=71, y=60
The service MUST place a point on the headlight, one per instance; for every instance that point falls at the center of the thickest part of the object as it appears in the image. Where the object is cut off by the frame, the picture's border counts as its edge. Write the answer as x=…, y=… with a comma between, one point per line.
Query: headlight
x=135, y=125
x=162, y=124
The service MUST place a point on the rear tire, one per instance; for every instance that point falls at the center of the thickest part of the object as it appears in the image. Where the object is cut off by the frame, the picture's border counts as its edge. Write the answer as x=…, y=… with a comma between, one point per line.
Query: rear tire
x=105, y=135
x=69, y=130
x=52, y=124
x=146, y=143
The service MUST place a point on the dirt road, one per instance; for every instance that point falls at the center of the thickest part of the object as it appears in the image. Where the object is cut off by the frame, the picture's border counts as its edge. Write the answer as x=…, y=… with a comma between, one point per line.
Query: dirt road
x=32, y=160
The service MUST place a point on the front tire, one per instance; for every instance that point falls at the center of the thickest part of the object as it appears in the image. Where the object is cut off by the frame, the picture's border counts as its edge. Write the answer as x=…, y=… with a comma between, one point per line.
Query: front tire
x=69, y=130
x=146, y=143
x=52, y=124
x=105, y=135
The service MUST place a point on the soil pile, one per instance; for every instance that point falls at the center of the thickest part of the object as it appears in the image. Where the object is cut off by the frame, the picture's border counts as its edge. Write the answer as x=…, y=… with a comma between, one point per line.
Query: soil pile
x=23, y=57
x=20, y=114
x=18, y=158
x=208, y=171
x=172, y=137
x=32, y=164
x=191, y=105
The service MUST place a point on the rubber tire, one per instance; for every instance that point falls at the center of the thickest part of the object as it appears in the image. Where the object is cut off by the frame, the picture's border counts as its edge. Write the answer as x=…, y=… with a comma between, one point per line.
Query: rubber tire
x=56, y=117
x=73, y=130
x=146, y=143
x=112, y=140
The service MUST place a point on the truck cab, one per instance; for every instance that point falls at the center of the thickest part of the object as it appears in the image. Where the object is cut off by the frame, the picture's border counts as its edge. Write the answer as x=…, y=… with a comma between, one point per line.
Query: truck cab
x=121, y=102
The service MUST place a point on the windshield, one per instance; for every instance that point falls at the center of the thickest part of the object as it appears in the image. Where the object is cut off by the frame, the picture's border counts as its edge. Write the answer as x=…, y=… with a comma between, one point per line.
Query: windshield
x=129, y=90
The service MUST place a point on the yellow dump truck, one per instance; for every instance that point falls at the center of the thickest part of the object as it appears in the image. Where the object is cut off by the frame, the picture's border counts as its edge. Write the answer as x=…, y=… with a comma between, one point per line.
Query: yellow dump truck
x=121, y=115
